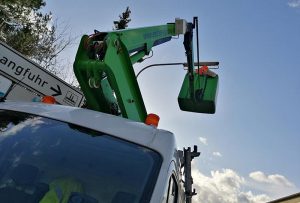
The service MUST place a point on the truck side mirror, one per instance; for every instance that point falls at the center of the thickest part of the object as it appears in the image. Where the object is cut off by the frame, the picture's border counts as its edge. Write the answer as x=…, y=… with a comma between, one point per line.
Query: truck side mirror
x=204, y=95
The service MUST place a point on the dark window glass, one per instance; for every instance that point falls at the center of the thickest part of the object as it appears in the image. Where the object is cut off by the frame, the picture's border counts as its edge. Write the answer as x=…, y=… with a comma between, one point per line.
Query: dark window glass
x=44, y=160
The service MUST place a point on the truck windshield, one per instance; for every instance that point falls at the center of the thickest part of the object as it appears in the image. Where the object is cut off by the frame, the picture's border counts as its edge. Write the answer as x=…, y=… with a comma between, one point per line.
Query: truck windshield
x=45, y=160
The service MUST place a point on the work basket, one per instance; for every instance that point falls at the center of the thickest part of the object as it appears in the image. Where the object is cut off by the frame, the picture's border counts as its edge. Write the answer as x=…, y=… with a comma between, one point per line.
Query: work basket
x=205, y=94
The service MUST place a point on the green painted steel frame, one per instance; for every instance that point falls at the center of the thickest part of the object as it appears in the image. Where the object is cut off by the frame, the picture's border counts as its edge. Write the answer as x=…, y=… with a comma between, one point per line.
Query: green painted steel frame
x=124, y=48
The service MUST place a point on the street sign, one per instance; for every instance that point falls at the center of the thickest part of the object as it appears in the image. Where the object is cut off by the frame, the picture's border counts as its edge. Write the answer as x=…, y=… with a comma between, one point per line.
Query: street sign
x=19, y=93
x=25, y=72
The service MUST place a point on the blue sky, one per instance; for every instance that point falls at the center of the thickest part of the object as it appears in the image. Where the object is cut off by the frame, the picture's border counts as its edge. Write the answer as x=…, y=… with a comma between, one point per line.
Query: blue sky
x=254, y=136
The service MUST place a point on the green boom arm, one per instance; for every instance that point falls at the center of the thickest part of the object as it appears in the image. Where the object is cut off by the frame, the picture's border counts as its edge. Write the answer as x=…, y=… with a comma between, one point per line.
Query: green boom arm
x=103, y=67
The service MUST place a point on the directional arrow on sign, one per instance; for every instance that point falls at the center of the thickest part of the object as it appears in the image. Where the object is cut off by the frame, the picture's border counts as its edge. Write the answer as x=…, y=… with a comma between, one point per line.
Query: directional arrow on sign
x=57, y=91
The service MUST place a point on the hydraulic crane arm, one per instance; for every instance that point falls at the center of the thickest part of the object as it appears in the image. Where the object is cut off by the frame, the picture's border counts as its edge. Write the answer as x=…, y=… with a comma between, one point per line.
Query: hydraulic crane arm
x=103, y=67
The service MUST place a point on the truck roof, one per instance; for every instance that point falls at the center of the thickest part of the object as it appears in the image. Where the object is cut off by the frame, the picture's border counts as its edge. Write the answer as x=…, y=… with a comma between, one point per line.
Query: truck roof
x=123, y=128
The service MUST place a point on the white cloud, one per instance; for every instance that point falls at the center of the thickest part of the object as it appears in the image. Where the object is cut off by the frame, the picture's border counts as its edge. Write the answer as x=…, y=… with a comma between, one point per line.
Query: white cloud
x=224, y=186
x=227, y=186
x=250, y=197
x=218, y=154
x=294, y=3
x=14, y=129
x=274, y=179
x=203, y=140
x=275, y=185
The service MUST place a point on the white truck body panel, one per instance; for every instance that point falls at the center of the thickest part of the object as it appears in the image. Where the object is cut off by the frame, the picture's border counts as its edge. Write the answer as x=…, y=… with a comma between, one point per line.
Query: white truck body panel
x=159, y=140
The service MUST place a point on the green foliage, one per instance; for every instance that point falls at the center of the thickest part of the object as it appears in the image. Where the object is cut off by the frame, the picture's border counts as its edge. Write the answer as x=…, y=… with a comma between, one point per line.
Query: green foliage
x=26, y=29
x=122, y=23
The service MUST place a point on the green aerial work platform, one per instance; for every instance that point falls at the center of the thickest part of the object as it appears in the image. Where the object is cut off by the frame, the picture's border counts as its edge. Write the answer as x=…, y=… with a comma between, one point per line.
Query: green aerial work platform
x=205, y=94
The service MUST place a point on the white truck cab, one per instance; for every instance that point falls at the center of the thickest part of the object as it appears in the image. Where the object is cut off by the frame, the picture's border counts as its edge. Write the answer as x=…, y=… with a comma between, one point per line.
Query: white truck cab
x=55, y=153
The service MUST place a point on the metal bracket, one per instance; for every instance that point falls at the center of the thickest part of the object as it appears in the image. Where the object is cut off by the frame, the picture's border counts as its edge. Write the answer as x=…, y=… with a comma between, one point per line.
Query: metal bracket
x=186, y=157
